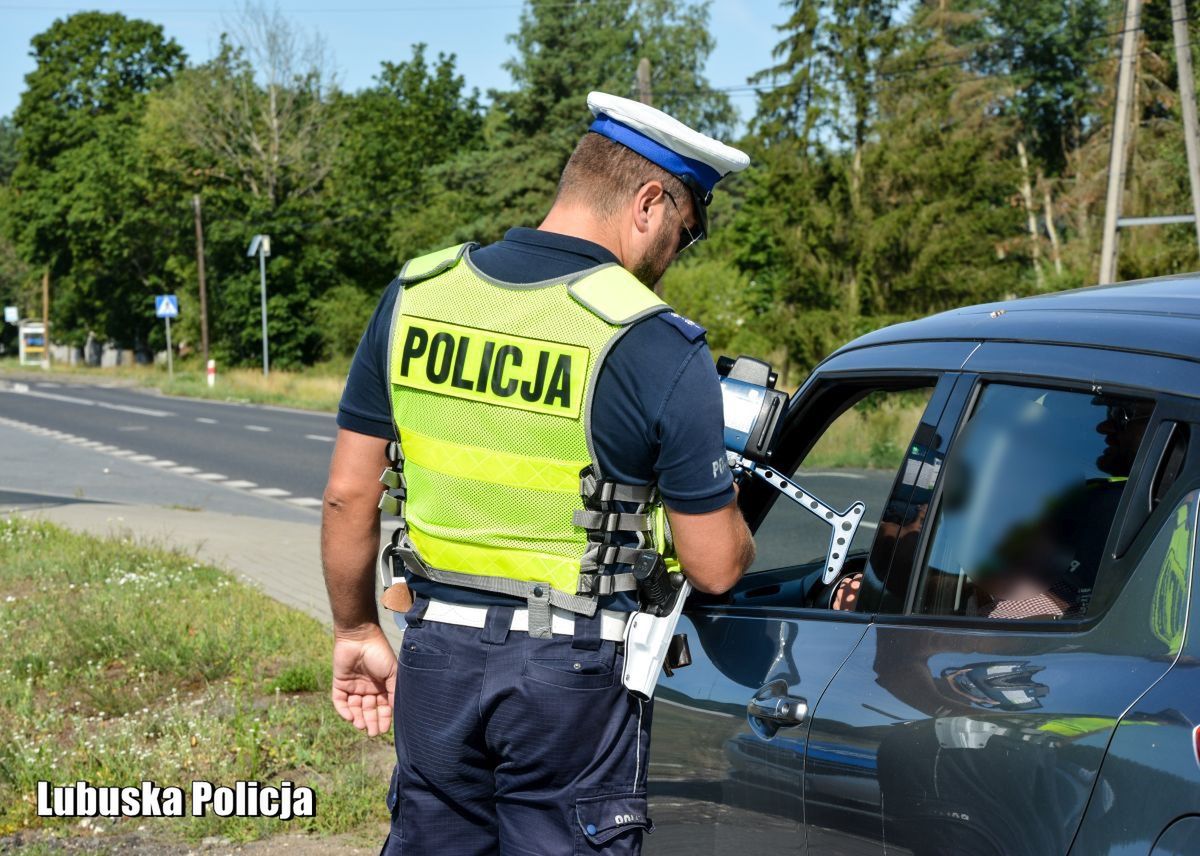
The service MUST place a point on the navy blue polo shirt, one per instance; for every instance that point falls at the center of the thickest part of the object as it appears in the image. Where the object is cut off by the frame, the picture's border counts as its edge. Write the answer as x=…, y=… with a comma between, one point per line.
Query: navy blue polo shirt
x=656, y=414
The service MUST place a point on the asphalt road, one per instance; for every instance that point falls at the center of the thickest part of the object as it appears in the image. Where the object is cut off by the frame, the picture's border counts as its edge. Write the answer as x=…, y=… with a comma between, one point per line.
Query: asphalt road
x=265, y=452
x=791, y=535
x=267, y=461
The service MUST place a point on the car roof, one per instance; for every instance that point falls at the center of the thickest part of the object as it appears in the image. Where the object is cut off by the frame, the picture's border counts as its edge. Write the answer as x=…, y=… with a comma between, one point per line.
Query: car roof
x=1152, y=316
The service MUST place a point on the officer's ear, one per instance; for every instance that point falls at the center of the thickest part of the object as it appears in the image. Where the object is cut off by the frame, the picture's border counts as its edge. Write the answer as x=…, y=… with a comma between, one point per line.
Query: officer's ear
x=648, y=197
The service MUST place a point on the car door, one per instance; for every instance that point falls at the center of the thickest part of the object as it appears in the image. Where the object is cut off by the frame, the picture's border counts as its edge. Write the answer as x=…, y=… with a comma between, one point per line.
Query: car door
x=730, y=730
x=1029, y=623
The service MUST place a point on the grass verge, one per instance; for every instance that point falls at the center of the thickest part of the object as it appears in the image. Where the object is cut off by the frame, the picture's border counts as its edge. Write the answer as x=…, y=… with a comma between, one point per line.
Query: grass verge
x=318, y=387
x=127, y=663
x=871, y=435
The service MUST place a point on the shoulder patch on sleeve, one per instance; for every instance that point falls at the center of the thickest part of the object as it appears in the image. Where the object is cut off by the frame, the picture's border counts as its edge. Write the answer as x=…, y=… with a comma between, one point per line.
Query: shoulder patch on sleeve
x=689, y=328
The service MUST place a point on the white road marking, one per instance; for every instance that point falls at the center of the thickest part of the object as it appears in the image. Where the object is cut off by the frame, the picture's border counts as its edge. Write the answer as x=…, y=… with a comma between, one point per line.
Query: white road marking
x=48, y=385
x=318, y=437
x=87, y=402
x=867, y=525
x=132, y=428
x=206, y=420
x=172, y=466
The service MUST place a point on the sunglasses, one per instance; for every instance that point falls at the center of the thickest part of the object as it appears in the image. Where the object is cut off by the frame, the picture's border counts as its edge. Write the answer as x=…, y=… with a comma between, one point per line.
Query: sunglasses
x=686, y=237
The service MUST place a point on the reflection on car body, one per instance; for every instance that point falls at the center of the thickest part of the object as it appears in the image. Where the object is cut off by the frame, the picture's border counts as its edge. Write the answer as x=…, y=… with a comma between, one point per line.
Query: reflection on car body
x=1018, y=666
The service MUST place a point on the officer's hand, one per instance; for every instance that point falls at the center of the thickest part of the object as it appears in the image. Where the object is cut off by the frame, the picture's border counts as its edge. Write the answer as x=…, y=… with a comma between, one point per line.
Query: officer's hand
x=364, y=678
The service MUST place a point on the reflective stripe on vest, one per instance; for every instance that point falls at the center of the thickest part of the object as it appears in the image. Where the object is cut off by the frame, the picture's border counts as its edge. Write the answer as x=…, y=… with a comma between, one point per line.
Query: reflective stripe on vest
x=490, y=386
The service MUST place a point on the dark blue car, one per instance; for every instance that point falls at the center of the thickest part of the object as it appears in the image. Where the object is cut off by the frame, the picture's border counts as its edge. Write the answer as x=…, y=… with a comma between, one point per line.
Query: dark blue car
x=1004, y=664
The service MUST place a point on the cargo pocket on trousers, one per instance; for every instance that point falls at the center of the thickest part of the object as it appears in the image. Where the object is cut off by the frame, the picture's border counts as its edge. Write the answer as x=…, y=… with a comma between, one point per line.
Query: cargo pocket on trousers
x=612, y=824
x=393, y=797
x=392, y=845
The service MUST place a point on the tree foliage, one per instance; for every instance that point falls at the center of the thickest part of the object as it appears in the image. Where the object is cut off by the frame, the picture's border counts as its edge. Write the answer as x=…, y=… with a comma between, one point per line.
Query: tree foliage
x=907, y=157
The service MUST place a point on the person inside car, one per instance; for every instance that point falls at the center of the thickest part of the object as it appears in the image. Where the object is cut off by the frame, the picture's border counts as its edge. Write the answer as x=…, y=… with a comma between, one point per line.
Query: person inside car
x=1045, y=568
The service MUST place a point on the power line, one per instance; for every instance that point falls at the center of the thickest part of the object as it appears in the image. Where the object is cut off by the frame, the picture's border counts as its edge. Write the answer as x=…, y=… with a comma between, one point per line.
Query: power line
x=316, y=11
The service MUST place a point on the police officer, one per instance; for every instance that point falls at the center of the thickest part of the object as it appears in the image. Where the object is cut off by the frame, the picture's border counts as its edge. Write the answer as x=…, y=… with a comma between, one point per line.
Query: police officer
x=555, y=423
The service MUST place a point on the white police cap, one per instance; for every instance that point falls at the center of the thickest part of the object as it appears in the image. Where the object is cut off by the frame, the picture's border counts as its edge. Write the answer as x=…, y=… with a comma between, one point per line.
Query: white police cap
x=695, y=159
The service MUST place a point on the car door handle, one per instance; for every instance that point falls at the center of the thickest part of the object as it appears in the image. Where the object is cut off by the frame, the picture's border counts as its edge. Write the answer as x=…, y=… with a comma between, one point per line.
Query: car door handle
x=773, y=706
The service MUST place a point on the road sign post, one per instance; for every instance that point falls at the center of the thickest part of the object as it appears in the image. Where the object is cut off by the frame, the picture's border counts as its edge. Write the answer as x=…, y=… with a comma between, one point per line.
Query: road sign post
x=166, y=307
x=261, y=244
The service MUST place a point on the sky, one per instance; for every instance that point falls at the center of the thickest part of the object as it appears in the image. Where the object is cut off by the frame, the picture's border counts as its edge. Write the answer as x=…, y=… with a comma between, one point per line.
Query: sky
x=359, y=34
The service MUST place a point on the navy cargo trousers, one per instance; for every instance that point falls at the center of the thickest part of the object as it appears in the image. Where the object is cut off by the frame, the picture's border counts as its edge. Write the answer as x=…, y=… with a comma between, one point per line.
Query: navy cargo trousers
x=515, y=746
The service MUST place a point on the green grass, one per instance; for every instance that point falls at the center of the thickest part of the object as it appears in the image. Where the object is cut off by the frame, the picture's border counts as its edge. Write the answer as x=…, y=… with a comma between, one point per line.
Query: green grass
x=871, y=435
x=128, y=663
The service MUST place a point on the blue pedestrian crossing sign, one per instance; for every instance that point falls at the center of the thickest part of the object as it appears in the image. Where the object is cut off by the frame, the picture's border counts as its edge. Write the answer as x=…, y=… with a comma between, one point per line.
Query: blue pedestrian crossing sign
x=166, y=306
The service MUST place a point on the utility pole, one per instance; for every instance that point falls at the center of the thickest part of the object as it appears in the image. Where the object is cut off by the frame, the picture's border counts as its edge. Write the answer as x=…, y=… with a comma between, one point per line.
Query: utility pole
x=643, y=82
x=1187, y=99
x=46, y=317
x=200, y=270
x=1118, y=154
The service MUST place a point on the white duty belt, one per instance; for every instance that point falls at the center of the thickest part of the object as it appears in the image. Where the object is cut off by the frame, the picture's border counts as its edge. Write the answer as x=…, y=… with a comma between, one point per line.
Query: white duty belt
x=562, y=621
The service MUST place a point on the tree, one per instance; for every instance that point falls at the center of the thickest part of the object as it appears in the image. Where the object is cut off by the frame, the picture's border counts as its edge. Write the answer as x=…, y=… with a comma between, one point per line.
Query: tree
x=1049, y=51
x=256, y=131
x=8, y=149
x=259, y=111
x=78, y=206
x=942, y=230
x=415, y=117
x=564, y=52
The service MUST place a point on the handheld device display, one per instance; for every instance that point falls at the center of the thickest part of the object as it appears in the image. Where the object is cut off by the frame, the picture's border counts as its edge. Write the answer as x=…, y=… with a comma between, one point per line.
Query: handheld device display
x=754, y=412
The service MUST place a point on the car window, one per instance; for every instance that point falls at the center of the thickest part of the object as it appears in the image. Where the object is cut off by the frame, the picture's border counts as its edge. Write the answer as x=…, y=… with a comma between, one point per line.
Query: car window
x=855, y=459
x=1030, y=492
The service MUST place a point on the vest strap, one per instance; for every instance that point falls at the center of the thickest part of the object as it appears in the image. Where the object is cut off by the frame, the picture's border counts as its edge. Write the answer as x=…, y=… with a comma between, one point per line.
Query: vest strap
x=601, y=585
x=596, y=491
x=390, y=504
x=615, y=295
x=431, y=264
x=393, y=478
x=610, y=521
x=600, y=555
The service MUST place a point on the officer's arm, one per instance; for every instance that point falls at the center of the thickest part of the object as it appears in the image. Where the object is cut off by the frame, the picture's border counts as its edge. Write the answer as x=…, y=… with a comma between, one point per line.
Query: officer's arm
x=350, y=529
x=715, y=548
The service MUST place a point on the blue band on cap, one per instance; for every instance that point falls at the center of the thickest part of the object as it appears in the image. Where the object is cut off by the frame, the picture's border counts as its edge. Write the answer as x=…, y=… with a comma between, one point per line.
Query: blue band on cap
x=655, y=152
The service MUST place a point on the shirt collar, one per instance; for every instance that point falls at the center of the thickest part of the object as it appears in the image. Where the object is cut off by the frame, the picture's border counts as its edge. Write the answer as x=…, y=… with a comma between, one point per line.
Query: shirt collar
x=562, y=243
